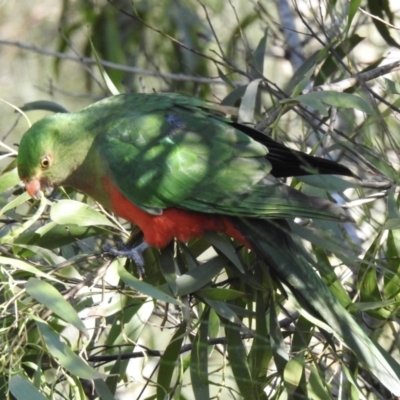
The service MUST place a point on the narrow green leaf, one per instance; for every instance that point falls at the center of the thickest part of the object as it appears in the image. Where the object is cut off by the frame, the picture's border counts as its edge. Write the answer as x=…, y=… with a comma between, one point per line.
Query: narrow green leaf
x=220, y=294
x=260, y=353
x=223, y=310
x=292, y=374
x=169, y=361
x=145, y=288
x=200, y=276
x=234, y=96
x=259, y=56
x=224, y=77
x=223, y=244
x=22, y=388
x=22, y=198
x=66, y=212
x=52, y=235
x=20, y=265
x=45, y=254
x=392, y=87
x=103, y=390
x=168, y=268
x=130, y=322
x=238, y=360
x=8, y=180
x=372, y=305
x=199, y=361
x=353, y=8
x=64, y=355
x=326, y=241
x=378, y=8
x=392, y=224
x=10, y=167
x=248, y=103
x=317, y=386
x=19, y=229
x=335, y=99
x=301, y=78
x=328, y=182
x=353, y=380
x=51, y=298
x=278, y=346
x=330, y=65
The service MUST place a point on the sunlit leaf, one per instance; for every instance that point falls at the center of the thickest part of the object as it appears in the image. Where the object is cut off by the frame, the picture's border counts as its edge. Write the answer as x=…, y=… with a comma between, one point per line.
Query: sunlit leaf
x=66, y=212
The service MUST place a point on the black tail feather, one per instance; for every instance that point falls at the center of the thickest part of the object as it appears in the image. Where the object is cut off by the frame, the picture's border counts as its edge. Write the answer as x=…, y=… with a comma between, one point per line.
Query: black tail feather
x=288, y=162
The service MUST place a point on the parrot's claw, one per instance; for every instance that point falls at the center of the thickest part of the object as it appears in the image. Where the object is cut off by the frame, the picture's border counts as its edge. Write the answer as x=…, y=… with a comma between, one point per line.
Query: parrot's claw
x=135, y=254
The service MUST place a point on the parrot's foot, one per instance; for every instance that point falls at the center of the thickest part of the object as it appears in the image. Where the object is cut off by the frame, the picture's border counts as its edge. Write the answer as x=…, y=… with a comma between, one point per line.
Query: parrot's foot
x=135, y=254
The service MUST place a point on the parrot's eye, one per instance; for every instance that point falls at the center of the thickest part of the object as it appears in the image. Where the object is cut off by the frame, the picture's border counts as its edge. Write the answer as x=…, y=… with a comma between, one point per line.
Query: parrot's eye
x=45, y=162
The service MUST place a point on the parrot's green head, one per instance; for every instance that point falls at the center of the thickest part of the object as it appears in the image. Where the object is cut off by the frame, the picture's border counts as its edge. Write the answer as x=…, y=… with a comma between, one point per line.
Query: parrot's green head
x=45, y=156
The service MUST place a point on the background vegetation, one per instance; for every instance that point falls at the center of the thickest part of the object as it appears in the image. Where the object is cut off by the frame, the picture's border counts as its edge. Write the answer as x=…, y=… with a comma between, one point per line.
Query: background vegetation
x=76, y=324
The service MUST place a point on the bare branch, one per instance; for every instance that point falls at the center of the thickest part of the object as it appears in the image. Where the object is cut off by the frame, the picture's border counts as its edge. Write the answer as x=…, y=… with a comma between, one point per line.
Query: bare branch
x=359, y=78
x=109, y=64
x=378, y=19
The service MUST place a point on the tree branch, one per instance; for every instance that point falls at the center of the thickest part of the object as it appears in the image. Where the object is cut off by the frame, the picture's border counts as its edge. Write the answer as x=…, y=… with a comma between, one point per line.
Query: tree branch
x=109, y=64
x=363, y=77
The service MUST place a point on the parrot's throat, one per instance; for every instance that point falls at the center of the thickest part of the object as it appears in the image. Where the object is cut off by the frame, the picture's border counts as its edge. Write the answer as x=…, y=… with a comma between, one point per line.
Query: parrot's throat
x=159, y=230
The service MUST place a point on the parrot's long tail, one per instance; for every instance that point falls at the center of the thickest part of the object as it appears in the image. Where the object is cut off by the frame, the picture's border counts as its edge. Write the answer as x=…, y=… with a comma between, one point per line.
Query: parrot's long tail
x=272, y=241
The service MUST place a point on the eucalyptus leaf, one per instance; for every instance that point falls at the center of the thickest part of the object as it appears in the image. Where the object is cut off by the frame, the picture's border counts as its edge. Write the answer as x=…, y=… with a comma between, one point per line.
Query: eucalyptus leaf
x=64, y=355
x=22, y=388
x=334, y=99
x=51, y=298
x=145, y=288
x=66, y=212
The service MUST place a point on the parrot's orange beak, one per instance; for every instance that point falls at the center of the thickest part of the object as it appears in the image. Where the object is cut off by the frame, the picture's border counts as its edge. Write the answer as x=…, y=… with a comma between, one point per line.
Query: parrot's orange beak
x=32, y=186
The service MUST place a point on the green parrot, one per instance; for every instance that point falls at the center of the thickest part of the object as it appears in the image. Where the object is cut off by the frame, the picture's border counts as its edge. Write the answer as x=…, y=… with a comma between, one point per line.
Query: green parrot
x=177, y=167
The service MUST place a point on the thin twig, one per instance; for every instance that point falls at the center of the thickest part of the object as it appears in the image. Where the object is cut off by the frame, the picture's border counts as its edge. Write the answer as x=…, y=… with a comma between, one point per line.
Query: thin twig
x=362, y=77
x=109, y=64
x=378, y=19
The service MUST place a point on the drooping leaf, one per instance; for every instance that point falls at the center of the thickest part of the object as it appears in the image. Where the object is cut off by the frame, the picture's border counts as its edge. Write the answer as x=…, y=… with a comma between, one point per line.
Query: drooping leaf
x=51, y=298
x=335, y=99
x=66, y=212
x=64, y=355
x=22, y=388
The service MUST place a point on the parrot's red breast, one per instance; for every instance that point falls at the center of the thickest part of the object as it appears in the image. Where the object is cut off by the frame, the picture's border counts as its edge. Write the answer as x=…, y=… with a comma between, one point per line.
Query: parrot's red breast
x=159, y=230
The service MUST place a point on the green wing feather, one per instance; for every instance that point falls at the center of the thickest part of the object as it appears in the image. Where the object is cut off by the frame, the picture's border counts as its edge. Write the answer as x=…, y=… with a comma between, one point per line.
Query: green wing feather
x=172, y=151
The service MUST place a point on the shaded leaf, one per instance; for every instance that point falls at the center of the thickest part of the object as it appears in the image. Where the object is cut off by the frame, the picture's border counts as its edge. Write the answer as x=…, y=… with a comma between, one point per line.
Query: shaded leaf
x=199, y=361
x=145, y=288
x=22, y=388
x=219, y=294
x=380, y=8
x=65, y=356
x=335, y=99
x=51, y=298
x=8, y=180
x=169, y=361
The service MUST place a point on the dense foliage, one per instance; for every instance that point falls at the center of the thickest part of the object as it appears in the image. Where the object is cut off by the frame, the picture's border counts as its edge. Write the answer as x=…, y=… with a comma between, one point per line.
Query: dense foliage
x=208, y=320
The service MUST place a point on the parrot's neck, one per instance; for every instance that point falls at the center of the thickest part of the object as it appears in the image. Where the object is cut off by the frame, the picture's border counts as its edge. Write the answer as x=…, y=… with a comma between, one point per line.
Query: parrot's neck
x=85, y=166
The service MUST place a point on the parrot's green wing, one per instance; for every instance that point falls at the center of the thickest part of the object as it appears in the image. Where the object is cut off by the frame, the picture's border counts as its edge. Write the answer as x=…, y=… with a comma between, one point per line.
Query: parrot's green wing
x=170, y=151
